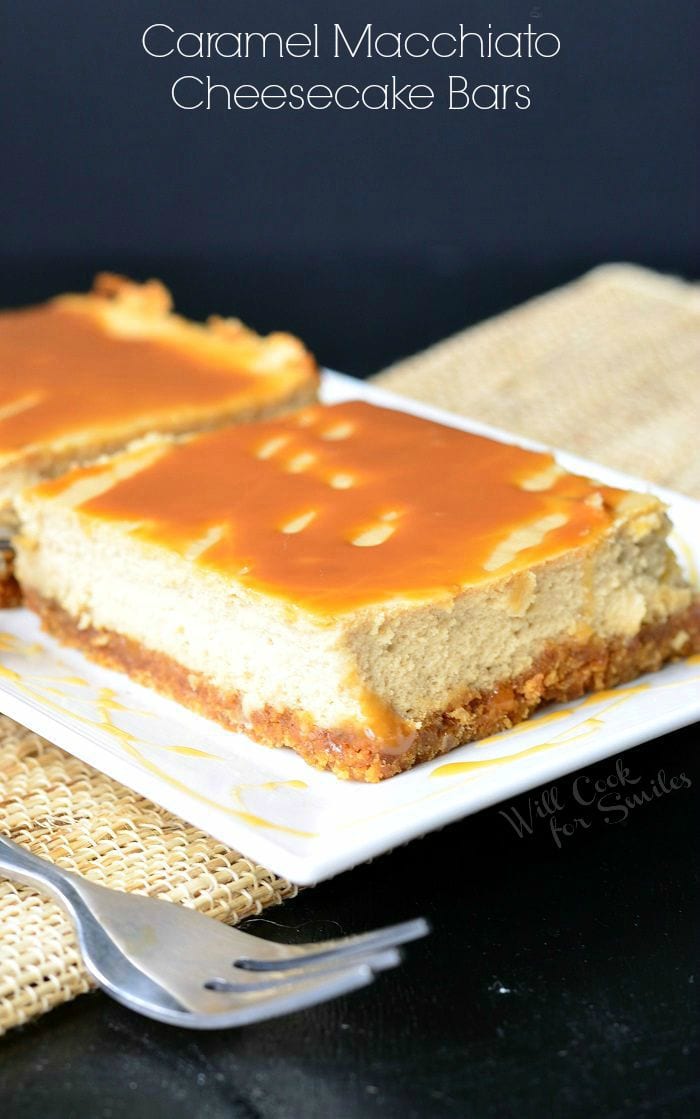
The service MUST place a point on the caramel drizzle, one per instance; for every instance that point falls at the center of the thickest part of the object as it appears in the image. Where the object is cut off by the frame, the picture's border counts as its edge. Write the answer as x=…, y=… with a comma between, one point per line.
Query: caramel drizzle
x=106, y=705
x=345, y=506
x=62, y=371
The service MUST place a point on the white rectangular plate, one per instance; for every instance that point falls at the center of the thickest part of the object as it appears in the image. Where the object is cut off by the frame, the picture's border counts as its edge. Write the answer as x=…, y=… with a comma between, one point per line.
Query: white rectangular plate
x=268, y=803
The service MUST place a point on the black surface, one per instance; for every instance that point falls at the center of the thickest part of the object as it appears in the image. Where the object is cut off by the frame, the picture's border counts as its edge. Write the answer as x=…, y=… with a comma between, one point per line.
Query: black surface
x=99, y=152
x=370, y=234
x=556, y=981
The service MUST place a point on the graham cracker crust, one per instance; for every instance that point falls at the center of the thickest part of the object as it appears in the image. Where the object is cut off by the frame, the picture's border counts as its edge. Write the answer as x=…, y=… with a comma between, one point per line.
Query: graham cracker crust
x=10, y=590
x=563, y=672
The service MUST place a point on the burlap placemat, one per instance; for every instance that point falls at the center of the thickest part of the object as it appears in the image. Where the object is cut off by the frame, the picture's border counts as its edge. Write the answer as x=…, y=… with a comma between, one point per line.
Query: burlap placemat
x=608, y=366
x=66, y=811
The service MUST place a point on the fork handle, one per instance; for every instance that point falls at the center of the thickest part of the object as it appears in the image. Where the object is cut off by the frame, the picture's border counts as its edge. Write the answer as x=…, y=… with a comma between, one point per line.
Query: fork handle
x=96, y=945
x=21, y=865
x=63, y=886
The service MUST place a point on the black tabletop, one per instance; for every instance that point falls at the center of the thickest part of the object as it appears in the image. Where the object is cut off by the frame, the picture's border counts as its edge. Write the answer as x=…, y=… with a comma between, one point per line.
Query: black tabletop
x=560, y=978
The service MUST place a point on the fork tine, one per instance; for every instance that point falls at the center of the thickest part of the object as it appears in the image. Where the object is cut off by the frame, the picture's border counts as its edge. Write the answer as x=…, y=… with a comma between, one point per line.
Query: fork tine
x=269, y=980
x=342, y=949
x=260, y=1006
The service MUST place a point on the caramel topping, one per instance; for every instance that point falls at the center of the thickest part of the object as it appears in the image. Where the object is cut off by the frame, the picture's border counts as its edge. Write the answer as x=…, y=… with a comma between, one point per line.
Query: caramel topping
x=426, y=510
x=102, y=361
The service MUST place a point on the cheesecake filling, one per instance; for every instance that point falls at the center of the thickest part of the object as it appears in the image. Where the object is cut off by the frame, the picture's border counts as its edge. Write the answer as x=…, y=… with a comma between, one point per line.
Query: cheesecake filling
x=352, y=575
x=388, y=668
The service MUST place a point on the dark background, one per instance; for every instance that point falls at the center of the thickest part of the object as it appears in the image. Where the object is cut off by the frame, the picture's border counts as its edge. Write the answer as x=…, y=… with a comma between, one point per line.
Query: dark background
x=555, y=982
x=370, y=234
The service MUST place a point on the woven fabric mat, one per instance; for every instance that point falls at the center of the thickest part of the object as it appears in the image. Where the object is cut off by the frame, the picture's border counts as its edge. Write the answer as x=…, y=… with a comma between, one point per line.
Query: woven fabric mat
x=66, y=811
x=608, y=366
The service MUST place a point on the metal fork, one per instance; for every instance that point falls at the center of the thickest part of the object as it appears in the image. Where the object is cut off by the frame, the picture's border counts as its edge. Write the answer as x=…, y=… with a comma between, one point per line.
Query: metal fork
x=178, y=966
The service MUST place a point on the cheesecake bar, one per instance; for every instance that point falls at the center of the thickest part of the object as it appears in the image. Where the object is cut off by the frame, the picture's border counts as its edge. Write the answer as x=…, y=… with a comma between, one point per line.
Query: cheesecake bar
x=83, y=375
x=364, y=586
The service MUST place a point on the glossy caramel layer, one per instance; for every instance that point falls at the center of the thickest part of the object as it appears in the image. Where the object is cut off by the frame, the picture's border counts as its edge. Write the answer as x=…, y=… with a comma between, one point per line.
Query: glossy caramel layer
x=100, y=361
x=338, y=507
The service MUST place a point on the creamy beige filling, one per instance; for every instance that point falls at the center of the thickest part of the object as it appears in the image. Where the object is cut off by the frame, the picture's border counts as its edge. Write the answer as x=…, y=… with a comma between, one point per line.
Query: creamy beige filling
x=423, y=661
x=416, y=657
